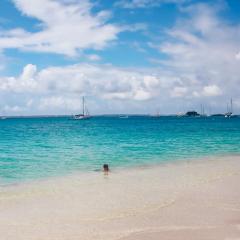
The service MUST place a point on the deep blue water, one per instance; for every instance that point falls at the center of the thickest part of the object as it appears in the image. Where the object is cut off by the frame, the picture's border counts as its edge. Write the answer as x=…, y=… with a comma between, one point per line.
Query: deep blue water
x=32, y=148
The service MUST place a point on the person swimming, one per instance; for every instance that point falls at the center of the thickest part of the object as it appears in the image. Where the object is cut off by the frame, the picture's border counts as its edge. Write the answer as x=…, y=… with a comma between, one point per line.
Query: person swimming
x=105, y=168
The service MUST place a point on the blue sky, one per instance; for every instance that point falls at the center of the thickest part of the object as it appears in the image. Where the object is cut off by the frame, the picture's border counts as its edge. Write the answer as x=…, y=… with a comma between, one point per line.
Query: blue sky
x=125, y=56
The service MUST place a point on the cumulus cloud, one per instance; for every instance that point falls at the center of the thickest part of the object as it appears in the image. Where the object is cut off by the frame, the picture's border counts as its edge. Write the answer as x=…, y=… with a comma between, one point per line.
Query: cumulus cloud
x=12, y=109
x=98, y=80
x=28, y=72
x=201, y=65
x=66, y=27
x=59, y=102
x=61, y=88
x=58, y=90
x=211, y=90
x=179, y=91
x=24, y=83
x=202, y=50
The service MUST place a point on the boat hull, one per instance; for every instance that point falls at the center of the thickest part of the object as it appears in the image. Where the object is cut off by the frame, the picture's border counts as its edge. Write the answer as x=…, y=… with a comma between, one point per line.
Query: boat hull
x=81, y=117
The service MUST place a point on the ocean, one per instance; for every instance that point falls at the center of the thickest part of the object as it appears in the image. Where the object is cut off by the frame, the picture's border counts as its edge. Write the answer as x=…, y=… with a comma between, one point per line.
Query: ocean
x=39, y=148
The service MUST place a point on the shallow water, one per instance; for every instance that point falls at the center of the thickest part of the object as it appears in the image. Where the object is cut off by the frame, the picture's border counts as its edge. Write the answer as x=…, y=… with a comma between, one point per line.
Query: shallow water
x=34, y=148
x=188, y=200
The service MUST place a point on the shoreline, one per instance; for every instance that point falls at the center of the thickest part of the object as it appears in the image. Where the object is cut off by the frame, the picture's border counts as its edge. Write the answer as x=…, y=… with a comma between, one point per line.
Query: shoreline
x=119, y=169
x=193, y=199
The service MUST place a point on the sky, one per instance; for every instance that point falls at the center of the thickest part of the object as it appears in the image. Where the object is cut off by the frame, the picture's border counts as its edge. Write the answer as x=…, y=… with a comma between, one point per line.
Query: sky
x=124, y=56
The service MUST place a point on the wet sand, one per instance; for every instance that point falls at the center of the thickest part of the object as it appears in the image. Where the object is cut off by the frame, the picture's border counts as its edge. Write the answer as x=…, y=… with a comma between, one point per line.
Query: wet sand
x=198, y=199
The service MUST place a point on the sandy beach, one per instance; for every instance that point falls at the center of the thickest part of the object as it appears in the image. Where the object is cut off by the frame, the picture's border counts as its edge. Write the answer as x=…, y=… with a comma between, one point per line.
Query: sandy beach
x=198, y=199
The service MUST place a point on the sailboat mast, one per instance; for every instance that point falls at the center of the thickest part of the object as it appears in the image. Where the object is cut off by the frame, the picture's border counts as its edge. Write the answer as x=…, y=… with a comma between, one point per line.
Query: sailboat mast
x=231, y=106
x=83, y=106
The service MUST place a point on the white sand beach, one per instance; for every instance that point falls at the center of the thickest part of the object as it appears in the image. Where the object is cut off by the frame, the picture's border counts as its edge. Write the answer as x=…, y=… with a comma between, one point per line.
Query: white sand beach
x=198, y=199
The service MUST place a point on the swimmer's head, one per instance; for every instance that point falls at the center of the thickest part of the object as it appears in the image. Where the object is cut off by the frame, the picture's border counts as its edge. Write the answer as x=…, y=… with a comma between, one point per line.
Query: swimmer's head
x=105, y=168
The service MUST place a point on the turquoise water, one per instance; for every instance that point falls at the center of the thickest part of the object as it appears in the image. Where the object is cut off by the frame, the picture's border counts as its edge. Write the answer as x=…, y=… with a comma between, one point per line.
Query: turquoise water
x=34, y=148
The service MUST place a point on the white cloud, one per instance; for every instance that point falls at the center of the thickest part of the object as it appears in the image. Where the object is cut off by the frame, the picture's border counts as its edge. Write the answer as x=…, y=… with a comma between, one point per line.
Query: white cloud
x=201, y=66
x=59, y=102
x=12, y=109
x=83, y=79
x=66, y=28
x=93, y=57
x=28, y=72
x=211, y=90
x=146, y=3
x=142, y=95
x=24, y=83
x=201, y=51
x=60, y=88
x=29, y=103
x=179, y=91
x=238, y=56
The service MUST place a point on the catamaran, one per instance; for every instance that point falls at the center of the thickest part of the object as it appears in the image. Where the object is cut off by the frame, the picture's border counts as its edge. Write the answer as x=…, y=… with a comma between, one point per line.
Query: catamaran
x=85, y=114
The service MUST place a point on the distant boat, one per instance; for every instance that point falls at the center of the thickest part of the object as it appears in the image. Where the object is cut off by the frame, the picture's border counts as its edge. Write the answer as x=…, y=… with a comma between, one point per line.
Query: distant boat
x=202, y=114
x=123, y=116
x=192, y=114
x=180, y=114
x=229, y=112
x=85, y=114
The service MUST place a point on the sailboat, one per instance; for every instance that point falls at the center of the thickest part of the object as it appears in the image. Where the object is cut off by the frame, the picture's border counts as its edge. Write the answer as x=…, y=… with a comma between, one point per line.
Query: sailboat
x=229, y=111
x=85, y=114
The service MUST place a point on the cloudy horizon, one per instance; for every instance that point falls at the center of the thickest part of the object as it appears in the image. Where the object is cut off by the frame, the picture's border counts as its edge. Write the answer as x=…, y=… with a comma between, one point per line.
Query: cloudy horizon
x=127, y=56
